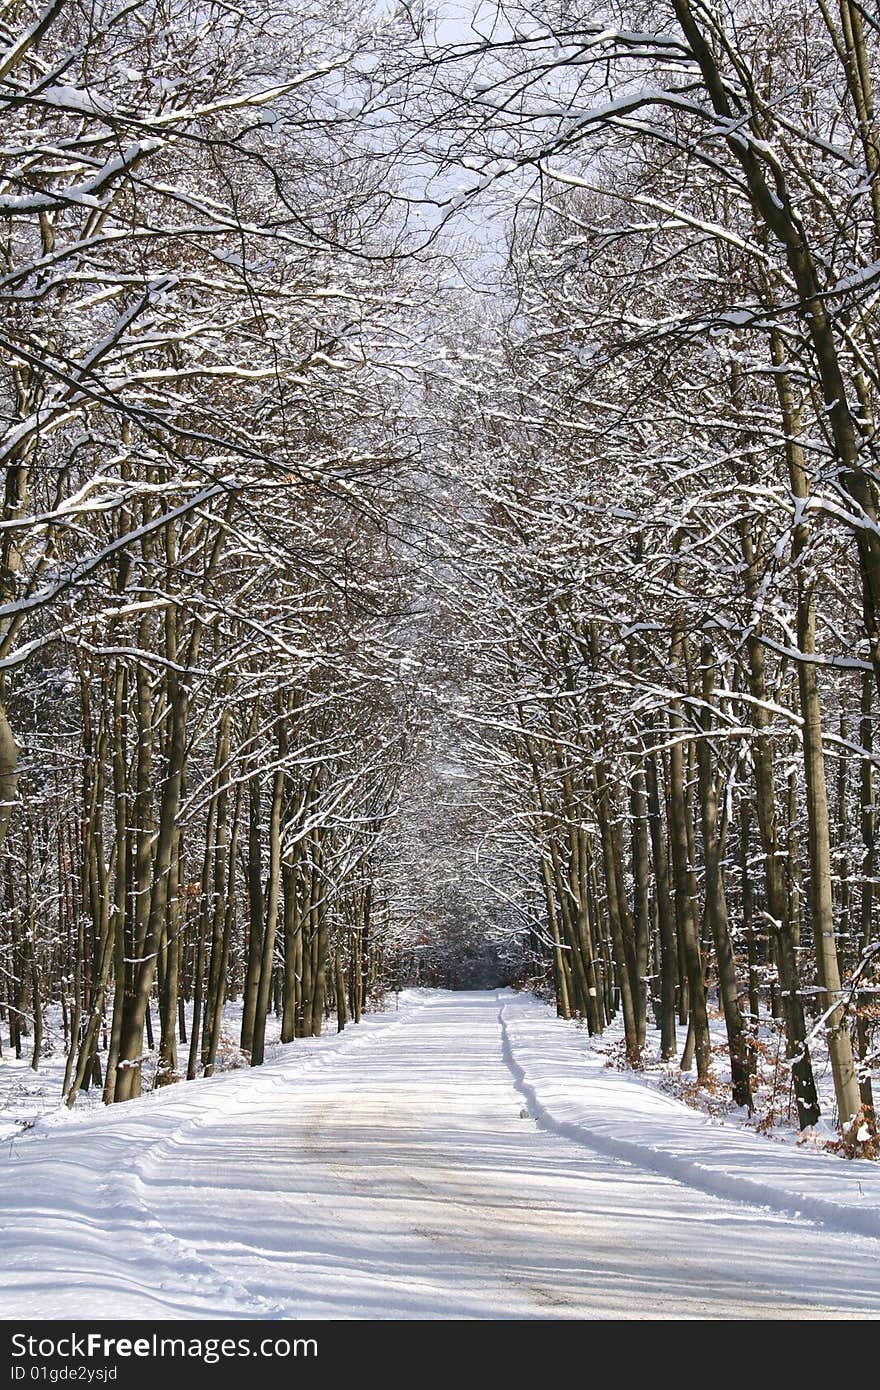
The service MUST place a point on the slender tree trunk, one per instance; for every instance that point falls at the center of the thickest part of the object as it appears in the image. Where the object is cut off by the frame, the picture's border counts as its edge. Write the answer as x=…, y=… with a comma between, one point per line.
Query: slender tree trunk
x=129, y=1070
x=868, y=799
x=641, y=896
x=229, y=914
x=219, y=946
x=716, y=904
x=748, y=916
x=778, y=907
x=8, y=769
x=839, y=1045
x=685, y=905
x=624, y=967
x=665, y=913
x=255, y=917
x=267, y=964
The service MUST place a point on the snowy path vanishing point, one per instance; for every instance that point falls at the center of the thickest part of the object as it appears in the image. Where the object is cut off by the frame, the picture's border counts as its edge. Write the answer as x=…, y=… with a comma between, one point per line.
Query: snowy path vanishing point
x=390, y=1172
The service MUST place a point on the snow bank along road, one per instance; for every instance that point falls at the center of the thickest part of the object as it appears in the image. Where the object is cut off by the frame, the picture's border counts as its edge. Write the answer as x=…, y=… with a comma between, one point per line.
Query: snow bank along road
x=397, y=1171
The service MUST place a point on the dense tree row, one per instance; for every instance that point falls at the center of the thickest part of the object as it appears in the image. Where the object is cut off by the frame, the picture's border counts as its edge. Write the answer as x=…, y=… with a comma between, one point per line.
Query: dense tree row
x=203, y=716
x=668, y=504
x=329, y=603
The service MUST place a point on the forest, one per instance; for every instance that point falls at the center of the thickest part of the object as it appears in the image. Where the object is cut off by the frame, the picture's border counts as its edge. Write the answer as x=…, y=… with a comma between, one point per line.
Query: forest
x=440, y=539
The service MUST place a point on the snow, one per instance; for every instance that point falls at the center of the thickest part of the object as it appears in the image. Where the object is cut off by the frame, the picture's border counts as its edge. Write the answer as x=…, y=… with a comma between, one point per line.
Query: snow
x=85, y=193
x=393, y=1171
x=29, y=1098
x=76, y=99
x=572, y=1091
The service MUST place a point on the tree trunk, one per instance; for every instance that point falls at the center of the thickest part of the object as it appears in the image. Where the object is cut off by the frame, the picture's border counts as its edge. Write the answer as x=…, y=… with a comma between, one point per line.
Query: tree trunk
x=716, y=904
x=685, y=906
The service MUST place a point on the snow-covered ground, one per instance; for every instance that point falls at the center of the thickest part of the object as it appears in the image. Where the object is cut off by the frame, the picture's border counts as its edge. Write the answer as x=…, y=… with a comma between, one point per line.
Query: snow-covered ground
x=774, y=1109
x=464, y=1156
x=27, y=1095
x=571, y=1090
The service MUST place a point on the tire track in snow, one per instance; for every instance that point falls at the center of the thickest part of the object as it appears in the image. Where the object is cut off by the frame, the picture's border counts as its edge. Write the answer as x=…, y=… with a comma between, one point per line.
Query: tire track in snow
x=130, y=1190
x=737, y=1187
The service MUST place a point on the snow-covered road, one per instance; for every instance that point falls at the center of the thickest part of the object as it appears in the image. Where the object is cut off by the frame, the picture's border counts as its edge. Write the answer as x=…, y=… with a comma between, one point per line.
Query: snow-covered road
x=391, y=1172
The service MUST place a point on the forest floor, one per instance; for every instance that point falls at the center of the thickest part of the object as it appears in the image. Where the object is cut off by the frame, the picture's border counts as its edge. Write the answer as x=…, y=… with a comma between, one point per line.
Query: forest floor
x=28, y=1096
x=774, y=1112
x=465, y=1155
